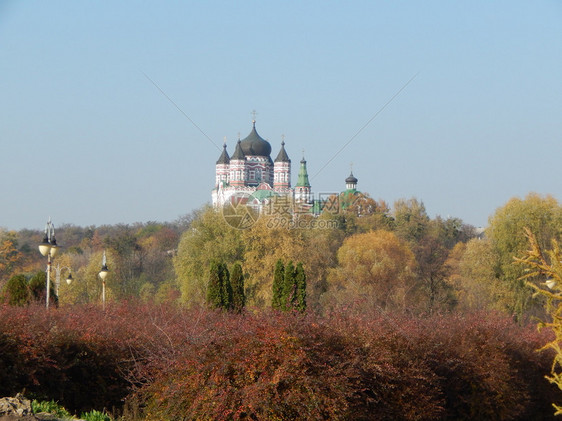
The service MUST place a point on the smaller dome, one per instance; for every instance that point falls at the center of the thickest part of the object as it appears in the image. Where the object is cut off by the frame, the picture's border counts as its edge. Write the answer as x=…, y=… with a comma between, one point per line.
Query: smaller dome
x=224, y=158
x=282, y=156
x=351, y=179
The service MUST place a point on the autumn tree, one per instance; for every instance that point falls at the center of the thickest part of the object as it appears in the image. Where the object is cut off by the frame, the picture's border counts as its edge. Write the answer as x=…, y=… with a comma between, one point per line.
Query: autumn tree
x=410, y=219
x=87, y=285
x=10, y=257
x=129, y=260
x=357, y=212
x=431, y=241
x=376, y=267
x=38, y=288
x=266, y=242
x=543, y=273
x=474, y=279
x=543, y=217
x=208, y=239
x=432, y=248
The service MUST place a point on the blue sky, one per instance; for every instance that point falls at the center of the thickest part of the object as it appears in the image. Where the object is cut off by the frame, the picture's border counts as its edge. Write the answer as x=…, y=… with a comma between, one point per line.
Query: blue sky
x=87, y=138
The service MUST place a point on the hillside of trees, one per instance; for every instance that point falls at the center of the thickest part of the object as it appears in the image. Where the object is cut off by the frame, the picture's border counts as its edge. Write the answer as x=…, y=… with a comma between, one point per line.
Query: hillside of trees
x=447, y=292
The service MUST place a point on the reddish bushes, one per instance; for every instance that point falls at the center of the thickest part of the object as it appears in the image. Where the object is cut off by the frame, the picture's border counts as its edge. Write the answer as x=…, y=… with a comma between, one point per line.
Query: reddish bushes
x=199, y=364
x=273, y=366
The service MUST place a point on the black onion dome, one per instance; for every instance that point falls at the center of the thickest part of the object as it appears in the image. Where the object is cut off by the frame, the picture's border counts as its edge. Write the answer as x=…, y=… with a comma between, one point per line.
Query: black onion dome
x=282, y=156
x=224, y=158
x=238, y=152
x=255, y=145
x=351, y=179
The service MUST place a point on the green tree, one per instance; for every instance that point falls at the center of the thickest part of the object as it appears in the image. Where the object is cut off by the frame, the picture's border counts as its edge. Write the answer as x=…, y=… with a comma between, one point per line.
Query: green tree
x=300, y=287
x=208, y=238
x=288, y=297
x=411, y=219
x=237, y=282
x=215, y=287
x=16, y=292
x=506, y=231
x=278, y=282
x=226, y=287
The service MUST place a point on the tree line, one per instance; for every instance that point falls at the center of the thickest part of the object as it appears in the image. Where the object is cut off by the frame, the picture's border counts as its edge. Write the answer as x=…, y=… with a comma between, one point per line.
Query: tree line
x=395, y=258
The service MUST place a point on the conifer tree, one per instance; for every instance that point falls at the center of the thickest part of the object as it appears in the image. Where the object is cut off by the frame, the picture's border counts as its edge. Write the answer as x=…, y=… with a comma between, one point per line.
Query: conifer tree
x=16, y=292
x=278, y=282
x=300, y=288
x=214, y=288
x=226, y=287
x=237, y=283
x=288, y=296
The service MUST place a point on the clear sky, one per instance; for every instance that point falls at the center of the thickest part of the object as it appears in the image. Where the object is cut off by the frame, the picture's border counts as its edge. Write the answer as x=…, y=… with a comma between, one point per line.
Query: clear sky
x=88, y=139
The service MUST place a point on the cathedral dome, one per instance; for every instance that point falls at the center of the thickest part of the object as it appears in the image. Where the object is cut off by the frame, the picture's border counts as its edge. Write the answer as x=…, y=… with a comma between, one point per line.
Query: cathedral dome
x=351, y=179
x=253, y=144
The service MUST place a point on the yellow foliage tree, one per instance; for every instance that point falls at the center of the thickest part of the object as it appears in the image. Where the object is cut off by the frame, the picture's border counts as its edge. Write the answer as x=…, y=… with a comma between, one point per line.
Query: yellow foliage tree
x=543, y=216
x=376, y=267
x=86, y=286
x=10, y=257
x=475, y=281
x=544, y=275
x=209, y=238
x=266, y=242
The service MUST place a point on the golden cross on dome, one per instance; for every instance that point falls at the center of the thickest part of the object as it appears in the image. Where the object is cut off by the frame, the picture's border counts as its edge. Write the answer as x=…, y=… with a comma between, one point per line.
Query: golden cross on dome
x=254, y=113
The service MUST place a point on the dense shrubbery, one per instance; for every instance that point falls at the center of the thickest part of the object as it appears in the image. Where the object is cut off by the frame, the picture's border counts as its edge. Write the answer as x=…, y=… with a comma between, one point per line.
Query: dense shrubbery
x=201, y=364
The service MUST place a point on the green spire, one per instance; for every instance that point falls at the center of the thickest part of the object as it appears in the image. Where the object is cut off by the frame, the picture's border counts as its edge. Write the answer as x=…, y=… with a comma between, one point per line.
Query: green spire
x=303, y=175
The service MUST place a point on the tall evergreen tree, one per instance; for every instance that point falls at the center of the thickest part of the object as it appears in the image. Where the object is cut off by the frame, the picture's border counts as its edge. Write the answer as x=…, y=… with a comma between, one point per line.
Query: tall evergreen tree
x=237, y=283
x=278, y=282
x=226, y=287
x=16, y=292
x=288, y=296
x=214, y=288
x=300, y=288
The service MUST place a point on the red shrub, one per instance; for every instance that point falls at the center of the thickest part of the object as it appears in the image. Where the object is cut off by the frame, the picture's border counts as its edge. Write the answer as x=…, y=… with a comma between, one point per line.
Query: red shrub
x=199, y=364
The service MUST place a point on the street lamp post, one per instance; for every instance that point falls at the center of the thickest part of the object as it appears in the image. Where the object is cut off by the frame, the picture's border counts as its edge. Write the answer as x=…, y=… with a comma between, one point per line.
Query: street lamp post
x=49, y=248
x=69, y=279
x=103, y=274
